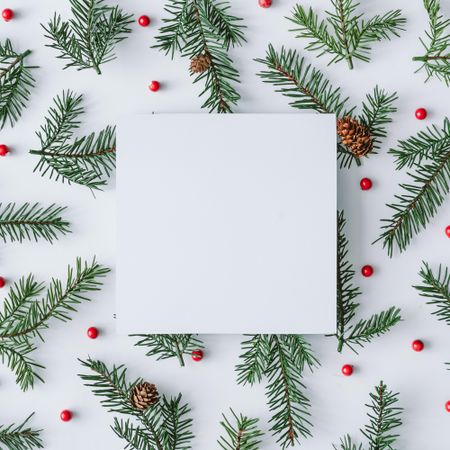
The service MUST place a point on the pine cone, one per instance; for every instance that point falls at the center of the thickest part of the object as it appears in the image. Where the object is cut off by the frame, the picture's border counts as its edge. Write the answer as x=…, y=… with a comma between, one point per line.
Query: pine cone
x=200, y=63
x=355, y=136
x=144, y=395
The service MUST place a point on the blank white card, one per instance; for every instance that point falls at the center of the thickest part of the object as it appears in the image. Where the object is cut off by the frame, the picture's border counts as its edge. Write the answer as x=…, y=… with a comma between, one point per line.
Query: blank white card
x=226, y=223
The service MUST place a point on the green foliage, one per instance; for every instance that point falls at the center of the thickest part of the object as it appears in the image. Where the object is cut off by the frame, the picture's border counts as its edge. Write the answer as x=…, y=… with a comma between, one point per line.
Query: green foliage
x=25, y=316
x=384, y=417
x=31, y=221
x=436, y=288
x=20, y=437
x=364, y=330
x=282, y=360
x=165, y=346
x=16, y=81
x=205, y=27
x=436, y=60
x=162, y=426
x=88, y=39
x=241, y=433
x=351, y=36
x=309, y=89
x=88, y=160
x=428, y=154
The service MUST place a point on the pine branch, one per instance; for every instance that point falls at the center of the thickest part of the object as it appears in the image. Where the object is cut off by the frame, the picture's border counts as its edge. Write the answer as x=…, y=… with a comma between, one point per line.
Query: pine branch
x=364, y=330
x=20, y=437
x=436, y=288
x=424, y=194
x=16, y=81
x=88, y=160
x=352, y=36
x=164, y=425
x=25, y=316
x=240, y=434
x=165, y=346
x=31, y=222
x=436, y=60
x=384, y=417
x=88, y=39
x=255, y=358
x=205, y=28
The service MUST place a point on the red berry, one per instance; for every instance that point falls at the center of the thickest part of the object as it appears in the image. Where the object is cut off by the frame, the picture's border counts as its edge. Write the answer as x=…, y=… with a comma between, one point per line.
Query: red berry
x=197, y=355
x=4, y=150
x=92, y=332
x=7, y=14
x=2, y=282
x=447, y=406
x=367, y=271
x=366, y=184
x=144, y=21
x=265, y=3
x=421, y=113
x=417, y=345
x=347, y=370
x=447, y=231
x=154, y=86
x=65, y=415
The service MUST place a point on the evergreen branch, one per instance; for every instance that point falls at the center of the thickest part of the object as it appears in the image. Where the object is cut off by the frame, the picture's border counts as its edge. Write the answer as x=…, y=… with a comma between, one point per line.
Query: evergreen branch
x=308, y=89
x=88, y=160
x=89, y=38
x=31, y=222
x=240, y=434
x=384, y=417
x=205, y=28
x=364, y=330
x=255, y=358
x=162, y=426
x=436, y=60
x=376, y=113
x=165, y=346
x=347, y=444
x=419, y=203
x=427, y=144
x=24, y=317
x=436, y=288
x=352, y=36
x=20, y=437
x=16, y=82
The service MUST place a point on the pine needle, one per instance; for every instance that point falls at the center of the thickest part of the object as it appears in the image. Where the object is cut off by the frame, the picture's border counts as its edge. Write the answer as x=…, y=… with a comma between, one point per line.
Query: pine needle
x=21, y=437
x=241, y=433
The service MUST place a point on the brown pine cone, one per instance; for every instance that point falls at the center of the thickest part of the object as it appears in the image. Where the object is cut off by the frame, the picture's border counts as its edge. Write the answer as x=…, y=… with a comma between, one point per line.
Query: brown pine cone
x=200, y=63
x=144, y=395
x=355, y=136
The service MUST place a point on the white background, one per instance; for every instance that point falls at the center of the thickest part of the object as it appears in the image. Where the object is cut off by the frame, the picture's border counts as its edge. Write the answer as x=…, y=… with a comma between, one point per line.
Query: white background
x=209, y=386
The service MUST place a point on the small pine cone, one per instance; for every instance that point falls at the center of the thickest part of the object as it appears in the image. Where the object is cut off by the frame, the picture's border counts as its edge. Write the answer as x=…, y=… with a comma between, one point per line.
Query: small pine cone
x=200, y=63
x=144, y=395
x=355, y=136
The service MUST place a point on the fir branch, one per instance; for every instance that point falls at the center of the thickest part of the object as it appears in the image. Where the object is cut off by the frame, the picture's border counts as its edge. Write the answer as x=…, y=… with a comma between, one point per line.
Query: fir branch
x=205, y=28
x=88, y=39
x=424, y=194
x=16, y=82
x=25, y=316
x=352, y=36
x=162, y=426
x=242, y=433
x=384, y=417
x=436, y=60
x=436, y=289
x=364, y=330
x=88, y=160
x=20, y=437
x=255, y=358
x=165, y=346
x=31, y=222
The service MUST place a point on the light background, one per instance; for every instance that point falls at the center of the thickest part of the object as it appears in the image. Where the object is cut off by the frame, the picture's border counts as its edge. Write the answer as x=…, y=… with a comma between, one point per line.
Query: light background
x=209, y=386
